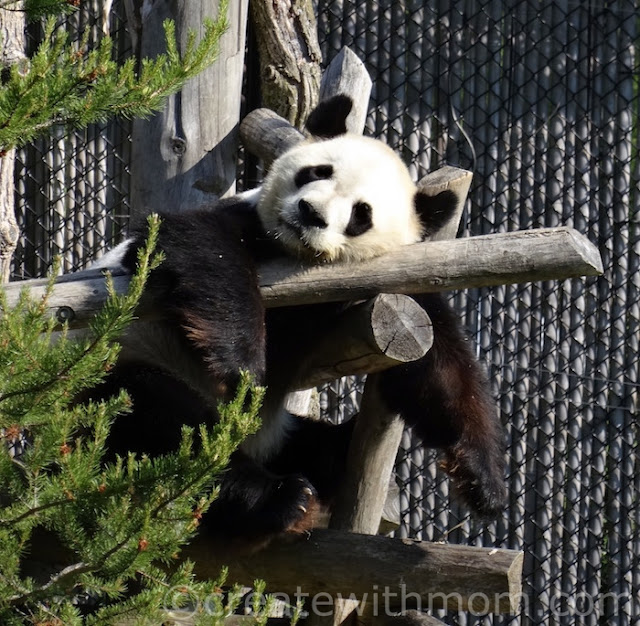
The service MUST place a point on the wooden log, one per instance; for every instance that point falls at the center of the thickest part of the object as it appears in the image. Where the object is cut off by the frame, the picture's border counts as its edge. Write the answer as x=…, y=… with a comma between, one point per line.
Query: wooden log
x=504, y=258
x=12, y=43
x=369, y=337
x=185, y=156
x=498, y=259
x=267, y=135
x=412, y=574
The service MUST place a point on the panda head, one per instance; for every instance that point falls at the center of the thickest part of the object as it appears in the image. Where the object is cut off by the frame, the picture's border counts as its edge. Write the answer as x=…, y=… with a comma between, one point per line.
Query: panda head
x=344, y=197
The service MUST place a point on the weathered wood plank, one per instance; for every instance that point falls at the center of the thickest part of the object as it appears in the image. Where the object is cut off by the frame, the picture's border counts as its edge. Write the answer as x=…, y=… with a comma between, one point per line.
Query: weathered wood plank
x=459, y=577
x=504, y=258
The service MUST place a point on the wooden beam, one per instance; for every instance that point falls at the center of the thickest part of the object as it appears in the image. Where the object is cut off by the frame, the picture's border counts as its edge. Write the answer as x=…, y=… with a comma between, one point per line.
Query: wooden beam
x=504, y=258
x=423, y=575
x=499, y=259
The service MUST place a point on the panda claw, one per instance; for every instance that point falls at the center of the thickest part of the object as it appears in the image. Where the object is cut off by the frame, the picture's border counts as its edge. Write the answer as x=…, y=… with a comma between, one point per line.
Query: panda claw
x=303, y=509
x=307, y=492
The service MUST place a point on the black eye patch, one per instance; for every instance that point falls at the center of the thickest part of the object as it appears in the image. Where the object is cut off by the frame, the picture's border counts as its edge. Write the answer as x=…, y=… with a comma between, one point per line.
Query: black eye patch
x=309, y=174
x=360, y=221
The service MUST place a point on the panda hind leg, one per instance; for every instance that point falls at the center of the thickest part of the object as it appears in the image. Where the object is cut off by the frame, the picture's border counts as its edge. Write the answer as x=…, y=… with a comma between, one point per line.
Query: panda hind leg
x=445, y=398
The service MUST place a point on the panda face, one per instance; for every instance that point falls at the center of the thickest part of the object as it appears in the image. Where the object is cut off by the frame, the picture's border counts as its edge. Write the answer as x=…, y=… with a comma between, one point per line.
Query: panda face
x=344, y=199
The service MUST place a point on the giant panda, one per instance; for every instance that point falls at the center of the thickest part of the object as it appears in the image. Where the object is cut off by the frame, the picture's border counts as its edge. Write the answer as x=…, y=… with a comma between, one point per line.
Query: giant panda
x=335, y=198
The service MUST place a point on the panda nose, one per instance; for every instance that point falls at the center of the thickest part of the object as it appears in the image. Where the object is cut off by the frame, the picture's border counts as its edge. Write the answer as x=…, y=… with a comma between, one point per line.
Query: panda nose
x=309, y=216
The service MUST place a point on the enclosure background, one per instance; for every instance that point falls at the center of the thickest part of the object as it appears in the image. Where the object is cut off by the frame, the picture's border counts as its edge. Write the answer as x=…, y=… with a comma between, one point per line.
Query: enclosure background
x=540, y=100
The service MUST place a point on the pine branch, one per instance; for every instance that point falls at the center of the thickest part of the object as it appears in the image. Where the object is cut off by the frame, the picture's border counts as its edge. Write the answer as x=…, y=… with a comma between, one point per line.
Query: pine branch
x=36, y=9
x=60, y=577
x=117, y=519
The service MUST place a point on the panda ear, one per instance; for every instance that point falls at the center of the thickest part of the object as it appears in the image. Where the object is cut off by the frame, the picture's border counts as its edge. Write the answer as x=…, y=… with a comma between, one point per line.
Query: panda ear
x=329, y=118
x=435, y=211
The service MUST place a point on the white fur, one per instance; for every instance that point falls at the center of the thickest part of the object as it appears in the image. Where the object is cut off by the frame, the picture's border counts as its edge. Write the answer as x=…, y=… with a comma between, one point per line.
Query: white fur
x=251, y=195
x=364, y=170
x=112, y=260
x=272, y=435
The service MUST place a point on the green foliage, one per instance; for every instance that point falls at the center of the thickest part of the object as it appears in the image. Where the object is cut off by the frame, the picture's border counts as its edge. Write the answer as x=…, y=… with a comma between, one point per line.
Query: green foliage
x=36, y=9
x=67, y=84
x=117, y=523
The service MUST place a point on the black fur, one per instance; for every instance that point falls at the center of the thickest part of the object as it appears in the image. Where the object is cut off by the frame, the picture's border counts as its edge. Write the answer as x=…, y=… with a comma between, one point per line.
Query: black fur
x=435, y=211
x=329, y=118
x=209, y=275
x=361, y=220
x=207, y=288
x=308, y=216
x=445, y=397
x=309, y=174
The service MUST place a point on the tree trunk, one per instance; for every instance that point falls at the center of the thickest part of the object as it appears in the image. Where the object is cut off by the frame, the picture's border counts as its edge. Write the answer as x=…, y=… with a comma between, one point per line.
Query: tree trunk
x=290, y=57
x=185, y=156
x=11, y=52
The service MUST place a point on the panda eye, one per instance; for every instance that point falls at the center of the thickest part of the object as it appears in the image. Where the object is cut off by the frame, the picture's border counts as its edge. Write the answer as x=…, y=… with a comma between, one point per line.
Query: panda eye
x=360, y=221
x=309, y=174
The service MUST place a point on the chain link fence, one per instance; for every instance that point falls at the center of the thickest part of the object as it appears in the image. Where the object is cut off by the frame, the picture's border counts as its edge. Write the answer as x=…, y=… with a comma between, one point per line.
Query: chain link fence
x=541, y=101
x=72, y=188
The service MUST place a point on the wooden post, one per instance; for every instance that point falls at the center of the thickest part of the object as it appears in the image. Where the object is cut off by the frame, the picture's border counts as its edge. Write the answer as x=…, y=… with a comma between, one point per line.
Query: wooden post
x=185, y=155
x=9, y=231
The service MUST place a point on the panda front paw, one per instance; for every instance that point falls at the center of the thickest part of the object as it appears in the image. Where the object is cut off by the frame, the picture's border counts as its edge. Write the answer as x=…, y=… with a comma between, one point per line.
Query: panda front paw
x=254, y=507
x=292, y=507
